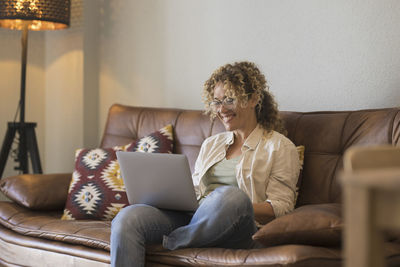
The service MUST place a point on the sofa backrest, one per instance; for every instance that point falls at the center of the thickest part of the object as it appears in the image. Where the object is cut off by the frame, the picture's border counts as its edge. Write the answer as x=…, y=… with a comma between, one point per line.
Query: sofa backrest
x=325, y=135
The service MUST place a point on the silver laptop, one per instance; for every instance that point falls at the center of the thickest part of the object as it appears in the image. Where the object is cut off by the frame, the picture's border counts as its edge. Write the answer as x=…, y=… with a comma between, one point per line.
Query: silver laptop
x=158, y=179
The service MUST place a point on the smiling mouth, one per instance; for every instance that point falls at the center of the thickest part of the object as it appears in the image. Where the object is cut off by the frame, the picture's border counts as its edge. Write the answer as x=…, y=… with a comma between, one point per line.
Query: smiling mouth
x=227, y=118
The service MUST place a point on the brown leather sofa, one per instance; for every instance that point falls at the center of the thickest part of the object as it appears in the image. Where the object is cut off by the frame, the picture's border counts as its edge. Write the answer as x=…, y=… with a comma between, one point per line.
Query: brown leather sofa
x=32, y=234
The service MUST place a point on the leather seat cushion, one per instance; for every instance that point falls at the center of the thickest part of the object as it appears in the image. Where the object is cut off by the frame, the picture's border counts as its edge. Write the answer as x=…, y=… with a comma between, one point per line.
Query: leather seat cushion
x=91, y=233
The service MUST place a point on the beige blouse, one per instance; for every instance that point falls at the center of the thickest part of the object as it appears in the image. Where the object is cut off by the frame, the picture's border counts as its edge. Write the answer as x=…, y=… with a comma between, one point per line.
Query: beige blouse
x=268, y=168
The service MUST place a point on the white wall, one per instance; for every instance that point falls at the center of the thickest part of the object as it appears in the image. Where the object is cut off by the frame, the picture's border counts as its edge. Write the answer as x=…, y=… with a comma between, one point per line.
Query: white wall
x=316, y=54
x=64, y=93
x=72, y=87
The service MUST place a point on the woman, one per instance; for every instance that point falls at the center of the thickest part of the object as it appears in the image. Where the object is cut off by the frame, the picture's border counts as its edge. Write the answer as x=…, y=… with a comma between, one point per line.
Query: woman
x=244, y=176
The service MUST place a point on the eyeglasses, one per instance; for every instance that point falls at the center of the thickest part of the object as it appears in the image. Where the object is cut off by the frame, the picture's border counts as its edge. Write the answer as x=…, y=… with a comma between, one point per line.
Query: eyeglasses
x=228, y=103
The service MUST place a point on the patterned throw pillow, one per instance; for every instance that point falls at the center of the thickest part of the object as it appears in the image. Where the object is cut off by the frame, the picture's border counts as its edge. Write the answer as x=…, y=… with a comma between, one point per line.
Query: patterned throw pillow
x=97, y=190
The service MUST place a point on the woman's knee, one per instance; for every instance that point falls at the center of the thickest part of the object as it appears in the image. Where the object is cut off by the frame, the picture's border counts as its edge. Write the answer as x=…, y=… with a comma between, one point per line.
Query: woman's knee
x=129, y=219
x=230, y=197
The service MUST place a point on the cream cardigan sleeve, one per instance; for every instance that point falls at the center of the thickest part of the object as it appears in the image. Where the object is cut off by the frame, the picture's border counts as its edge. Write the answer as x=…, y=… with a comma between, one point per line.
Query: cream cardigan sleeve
x=281, y=189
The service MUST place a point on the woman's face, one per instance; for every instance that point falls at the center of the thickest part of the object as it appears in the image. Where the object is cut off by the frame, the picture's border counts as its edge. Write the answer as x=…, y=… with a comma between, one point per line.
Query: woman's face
x=234, y=117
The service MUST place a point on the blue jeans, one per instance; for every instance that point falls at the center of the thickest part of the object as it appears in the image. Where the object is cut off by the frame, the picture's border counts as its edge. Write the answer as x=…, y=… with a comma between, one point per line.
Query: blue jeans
x=224, y=219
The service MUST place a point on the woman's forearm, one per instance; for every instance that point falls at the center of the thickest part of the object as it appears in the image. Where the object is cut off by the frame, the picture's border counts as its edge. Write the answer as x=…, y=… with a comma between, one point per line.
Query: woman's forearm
x=263, y=212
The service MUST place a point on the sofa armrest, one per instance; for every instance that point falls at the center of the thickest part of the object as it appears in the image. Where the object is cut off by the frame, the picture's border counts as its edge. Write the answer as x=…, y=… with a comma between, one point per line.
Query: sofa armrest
x=37, y=191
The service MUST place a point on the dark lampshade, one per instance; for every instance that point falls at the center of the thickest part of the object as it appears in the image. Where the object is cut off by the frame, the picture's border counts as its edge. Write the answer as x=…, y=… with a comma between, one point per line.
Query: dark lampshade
x=36, y=14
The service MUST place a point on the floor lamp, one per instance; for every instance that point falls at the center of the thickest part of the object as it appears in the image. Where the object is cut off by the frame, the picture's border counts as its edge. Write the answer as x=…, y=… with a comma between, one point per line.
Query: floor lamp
x=27, y=15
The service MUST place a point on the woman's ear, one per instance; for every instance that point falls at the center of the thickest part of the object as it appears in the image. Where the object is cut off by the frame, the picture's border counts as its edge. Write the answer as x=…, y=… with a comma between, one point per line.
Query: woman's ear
x=253, y=100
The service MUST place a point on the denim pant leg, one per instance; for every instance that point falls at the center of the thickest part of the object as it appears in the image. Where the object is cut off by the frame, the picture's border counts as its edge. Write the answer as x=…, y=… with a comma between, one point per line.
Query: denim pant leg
x=138, y=225
x=224, y=219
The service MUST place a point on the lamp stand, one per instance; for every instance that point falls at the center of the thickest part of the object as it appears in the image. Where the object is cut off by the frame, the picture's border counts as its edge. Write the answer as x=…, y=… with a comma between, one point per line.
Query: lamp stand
x=26, y=130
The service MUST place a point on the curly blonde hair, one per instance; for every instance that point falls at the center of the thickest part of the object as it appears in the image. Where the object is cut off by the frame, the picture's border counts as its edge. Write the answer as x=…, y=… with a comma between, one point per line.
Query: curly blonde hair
x=243, y=80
